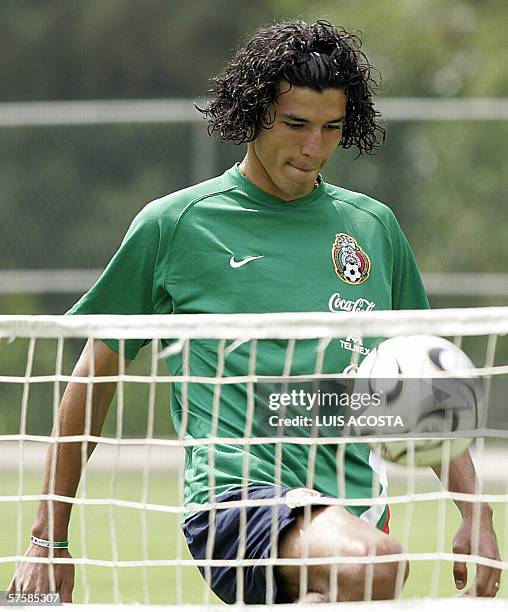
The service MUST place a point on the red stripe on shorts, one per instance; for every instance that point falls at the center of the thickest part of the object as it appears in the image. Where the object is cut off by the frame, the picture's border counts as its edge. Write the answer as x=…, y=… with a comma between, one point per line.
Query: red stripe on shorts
x=386, y=526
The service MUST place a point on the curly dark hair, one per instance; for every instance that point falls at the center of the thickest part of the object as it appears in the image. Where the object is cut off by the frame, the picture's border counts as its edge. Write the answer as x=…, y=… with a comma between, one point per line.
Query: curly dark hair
x=316, y=55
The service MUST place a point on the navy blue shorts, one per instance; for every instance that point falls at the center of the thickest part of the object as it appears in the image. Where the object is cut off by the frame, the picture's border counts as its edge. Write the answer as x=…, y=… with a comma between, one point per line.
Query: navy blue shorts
x=257, y=543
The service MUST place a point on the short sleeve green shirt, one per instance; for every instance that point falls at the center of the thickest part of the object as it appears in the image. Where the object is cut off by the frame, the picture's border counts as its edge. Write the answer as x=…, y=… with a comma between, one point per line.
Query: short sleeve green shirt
x=226, y=246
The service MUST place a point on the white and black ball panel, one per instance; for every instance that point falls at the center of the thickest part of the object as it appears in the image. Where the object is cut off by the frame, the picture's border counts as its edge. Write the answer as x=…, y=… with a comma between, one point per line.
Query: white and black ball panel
x=422, y=357
x=415, y=355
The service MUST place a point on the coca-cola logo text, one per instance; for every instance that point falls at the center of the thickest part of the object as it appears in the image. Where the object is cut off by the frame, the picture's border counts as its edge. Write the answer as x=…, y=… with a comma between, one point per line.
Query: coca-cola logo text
x=336, y=303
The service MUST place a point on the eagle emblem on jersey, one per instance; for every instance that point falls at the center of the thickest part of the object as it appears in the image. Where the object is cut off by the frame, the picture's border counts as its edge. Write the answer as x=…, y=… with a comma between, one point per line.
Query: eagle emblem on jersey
x=351, y=262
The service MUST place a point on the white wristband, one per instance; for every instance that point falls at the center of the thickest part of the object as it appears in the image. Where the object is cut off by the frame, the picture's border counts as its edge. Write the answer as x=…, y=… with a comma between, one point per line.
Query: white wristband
x=48, y=543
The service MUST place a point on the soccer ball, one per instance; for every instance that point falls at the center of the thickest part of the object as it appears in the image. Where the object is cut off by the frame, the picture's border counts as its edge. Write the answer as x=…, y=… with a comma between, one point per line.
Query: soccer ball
x=352, y=272
x=407, y=373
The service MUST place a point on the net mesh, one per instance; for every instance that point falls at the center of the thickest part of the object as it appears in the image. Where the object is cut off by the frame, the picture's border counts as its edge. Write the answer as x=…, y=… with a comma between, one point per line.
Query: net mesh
x=125, y=536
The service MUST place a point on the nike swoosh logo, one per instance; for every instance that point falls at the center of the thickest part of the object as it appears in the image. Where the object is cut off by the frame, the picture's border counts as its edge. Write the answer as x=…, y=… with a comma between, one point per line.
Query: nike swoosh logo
x=238, y=264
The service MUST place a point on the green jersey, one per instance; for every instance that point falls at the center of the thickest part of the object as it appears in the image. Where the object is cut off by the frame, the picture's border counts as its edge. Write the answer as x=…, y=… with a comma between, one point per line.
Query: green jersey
x=226, y=246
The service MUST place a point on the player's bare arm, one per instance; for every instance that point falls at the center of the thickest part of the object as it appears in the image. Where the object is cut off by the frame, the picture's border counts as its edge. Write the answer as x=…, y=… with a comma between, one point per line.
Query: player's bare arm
x=100, y=359
x=462, y=479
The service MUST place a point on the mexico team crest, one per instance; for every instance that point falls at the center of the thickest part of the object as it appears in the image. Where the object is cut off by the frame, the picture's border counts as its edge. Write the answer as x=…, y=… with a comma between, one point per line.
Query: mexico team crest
x=351, y=262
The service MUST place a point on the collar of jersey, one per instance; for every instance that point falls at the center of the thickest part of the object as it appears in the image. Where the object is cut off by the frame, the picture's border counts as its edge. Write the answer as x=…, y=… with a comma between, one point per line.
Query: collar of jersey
x=266, y=199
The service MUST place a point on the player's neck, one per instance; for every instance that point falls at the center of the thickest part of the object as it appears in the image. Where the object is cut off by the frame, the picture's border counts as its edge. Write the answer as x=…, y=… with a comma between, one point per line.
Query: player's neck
x=253, y=170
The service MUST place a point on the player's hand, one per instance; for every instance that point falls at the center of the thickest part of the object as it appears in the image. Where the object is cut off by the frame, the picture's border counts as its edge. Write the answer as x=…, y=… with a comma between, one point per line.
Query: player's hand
x=34, y=577
x=487, y=579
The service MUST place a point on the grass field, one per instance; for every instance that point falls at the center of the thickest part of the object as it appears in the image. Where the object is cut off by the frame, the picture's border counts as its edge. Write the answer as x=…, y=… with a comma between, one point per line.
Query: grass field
x=103, y=526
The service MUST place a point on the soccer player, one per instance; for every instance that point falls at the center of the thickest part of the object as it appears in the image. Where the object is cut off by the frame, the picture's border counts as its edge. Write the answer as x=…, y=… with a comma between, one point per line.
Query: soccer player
x=268, y=235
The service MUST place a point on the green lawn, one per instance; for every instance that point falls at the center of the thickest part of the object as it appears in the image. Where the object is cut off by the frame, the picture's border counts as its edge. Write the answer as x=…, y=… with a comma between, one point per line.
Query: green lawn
x=158, y=585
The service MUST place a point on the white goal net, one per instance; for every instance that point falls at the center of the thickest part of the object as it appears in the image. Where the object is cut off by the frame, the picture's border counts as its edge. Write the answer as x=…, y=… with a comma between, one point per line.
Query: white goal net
x=195, y=427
